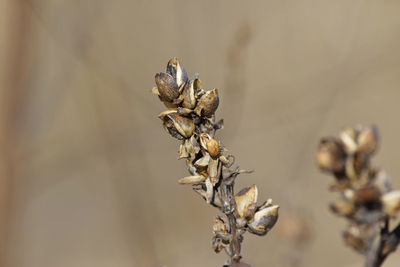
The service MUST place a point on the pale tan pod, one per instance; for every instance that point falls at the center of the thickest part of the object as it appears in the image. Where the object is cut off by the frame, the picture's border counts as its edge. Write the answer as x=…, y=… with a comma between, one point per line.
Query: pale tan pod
x=195, y=179
x=245, y=198
x=348, y=138
x=368, y=140
x=213, y=170
x=213, y=147
x=204, y=138
x=264, y=220
x=391, y=203
x=203, y=161
x=330, y=155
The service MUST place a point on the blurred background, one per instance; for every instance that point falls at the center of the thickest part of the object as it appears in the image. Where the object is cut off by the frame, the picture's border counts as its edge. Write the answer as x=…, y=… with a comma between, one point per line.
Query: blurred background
x=88, y=177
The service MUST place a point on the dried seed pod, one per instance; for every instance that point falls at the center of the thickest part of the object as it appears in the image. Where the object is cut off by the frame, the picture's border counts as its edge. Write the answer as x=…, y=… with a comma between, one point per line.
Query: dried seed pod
x=382, y=181
x=368, y=194
x=167, y=87
x=391, y=203
x=219, y=225
x=203, y=161
x=175, y=69
x=348, y=139
x=264, y=220
x=178, y=126
x=210, y=191
x=368, y=140
x=244, y=199
x=330, y=155
x=190, y=92
x=355, y=238
x=213, y=148
x=214, y=170
x=195, y=179
x=210, y=144
x=342, y=207
x=208, y=104
x=217, y=244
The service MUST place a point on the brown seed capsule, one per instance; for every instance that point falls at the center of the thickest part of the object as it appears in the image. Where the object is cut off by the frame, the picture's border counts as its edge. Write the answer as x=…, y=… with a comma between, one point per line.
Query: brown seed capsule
x=167, y=87
x=190, y=92
x=175, y=69
x=264, y=220
x=391, y=203
x=208, y=104
x=368, y=194
x=368, y=140
x=178, y=126
x=213, y=148
x=330, y=155
x=244, y=199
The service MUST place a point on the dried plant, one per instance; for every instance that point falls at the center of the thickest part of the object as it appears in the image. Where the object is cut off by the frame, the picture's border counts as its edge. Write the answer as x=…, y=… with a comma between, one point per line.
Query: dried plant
x=366, y=196
x=190, y=118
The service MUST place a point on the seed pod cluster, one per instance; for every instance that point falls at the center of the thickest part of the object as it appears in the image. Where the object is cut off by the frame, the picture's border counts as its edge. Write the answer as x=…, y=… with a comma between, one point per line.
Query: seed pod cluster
x=190, y=118
x=366, y=197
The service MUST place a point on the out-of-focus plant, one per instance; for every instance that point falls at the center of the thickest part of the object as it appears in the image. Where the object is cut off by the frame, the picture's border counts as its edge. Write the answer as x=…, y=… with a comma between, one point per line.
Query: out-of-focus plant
x=190, y=118
x=366, y=198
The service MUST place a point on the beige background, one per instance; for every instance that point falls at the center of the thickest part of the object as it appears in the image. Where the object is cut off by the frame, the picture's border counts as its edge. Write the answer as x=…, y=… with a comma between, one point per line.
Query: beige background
x=88, y=176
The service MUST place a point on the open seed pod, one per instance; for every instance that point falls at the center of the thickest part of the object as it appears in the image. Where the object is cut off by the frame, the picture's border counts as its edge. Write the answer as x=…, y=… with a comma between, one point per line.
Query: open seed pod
x=330, y=155
x=245, y=201
x=190, y=92
x=264, y=220
x=208, y=103
x=176, y=125
x=179, y=74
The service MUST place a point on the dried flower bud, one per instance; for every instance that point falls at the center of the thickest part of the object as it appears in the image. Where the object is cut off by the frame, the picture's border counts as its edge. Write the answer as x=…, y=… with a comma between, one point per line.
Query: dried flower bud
x=264, y=220
x=391, y=203
x=368, y=140
x=208, y=104
x=355, y=238
x=178, y=126
x=167, y=87
x=190, y=92
x=244, y=199
x=330, y=155
x=342, y=207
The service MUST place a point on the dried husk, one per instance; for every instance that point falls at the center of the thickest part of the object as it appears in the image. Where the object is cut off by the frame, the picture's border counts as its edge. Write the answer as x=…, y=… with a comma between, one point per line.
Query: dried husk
x=264, y=220
x=208, y=104
x=244, y=199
